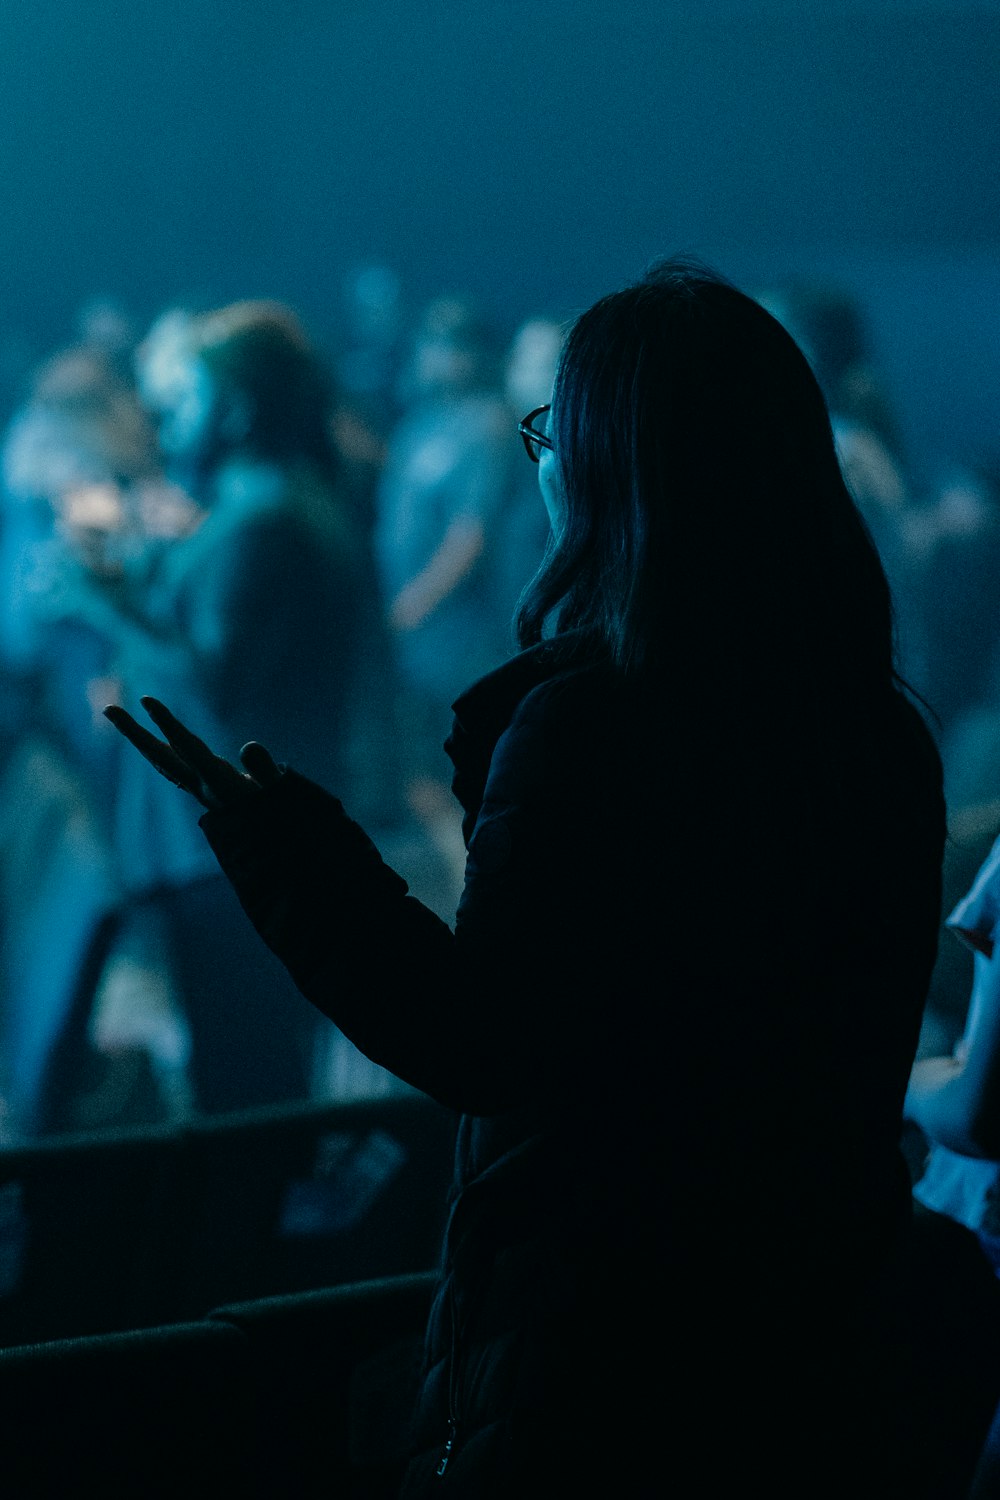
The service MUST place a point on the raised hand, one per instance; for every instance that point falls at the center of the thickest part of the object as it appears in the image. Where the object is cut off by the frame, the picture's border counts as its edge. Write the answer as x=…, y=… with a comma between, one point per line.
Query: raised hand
x=187, y=761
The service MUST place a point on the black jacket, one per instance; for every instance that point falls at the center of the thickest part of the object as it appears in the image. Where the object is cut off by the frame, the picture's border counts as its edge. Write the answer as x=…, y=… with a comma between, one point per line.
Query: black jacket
x=676, y=1016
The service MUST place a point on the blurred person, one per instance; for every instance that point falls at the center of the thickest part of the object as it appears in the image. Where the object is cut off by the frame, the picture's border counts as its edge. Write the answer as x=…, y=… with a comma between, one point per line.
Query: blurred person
x=831, y=328
x=256, y=612
x=439, y=501
x=532, y=360
x=104, y=324
x=76, y=458
x=962, y=564
x=371, y=342
x=366, y=378
x=244, y=430
x=162, y=356
x=953, y=1098
x=960, y=602
x=704, y=825
x=84, y=493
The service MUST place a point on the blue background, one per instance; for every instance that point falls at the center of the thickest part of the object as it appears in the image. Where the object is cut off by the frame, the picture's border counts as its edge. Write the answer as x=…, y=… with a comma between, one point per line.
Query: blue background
x=533, y=154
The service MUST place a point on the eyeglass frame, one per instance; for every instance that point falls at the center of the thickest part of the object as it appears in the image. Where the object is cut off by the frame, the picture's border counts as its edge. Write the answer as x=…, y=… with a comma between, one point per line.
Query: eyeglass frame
x=529, y=435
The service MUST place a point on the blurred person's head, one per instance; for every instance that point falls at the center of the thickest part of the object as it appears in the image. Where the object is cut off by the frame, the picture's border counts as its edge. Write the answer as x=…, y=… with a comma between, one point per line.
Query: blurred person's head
x=162, y=359
x=531, y=363
x=830, y=327
x=372, y=302
x=366, y=369
x=80, y=377
x=826, y=324
x=701, y=518
x=103, y=323
x=453, y=350
x=246, y=382
x=80, y=426
x=76, y=450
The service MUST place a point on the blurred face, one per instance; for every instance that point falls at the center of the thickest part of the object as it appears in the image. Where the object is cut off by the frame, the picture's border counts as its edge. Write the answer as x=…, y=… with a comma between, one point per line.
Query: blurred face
x=441, y=365
x=531, y=365
x=161, y=359
x=188, y=411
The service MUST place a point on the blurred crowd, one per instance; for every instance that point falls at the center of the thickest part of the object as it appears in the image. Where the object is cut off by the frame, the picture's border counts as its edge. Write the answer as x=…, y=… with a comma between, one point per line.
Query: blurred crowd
x=313, y=547
x=318, y=543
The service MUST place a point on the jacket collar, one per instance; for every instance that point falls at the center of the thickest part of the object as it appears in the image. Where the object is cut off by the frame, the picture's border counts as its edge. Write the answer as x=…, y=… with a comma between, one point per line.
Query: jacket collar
x=484, y=710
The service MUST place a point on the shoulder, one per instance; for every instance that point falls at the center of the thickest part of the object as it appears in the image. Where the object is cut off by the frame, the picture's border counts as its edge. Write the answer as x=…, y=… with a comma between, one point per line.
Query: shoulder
x=572, y=696
x=262, y=502
x=568, y=732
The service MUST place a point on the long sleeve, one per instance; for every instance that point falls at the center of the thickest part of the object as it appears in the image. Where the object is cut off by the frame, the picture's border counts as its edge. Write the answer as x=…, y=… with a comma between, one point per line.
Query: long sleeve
x=477, y=1017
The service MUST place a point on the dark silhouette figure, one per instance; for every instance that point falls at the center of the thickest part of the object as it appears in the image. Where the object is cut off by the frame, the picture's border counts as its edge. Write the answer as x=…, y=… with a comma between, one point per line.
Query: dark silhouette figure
x=678, y=1007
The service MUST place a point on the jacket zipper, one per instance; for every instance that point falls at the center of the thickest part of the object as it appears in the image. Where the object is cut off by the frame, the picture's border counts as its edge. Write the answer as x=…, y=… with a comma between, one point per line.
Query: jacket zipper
x=446, y=1454
x=452, y=1386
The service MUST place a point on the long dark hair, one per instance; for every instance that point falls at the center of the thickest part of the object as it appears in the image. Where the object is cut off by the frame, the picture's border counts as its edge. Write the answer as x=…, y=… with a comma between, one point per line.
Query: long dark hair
x=260, y=349
x=707, y=522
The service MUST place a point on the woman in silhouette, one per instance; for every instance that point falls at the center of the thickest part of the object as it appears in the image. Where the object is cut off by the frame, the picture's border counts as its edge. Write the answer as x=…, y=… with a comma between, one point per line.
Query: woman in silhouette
x=677, y=1008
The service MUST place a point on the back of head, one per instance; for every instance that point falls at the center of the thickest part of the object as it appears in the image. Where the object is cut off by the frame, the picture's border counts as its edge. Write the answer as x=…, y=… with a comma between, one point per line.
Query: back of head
x=76, y=379
x=262, y=362
x=706, y=522
x=82, y=424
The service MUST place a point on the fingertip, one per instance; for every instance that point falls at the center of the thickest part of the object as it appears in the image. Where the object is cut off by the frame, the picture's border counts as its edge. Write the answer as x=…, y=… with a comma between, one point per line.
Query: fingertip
x=154, y=708
x=258, y=761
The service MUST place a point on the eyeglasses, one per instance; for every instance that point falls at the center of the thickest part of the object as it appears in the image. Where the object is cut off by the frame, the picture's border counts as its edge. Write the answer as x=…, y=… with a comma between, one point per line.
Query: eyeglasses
x=533, y=440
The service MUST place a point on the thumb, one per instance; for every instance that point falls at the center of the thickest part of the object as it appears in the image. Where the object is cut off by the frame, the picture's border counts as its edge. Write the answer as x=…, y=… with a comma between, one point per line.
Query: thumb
x=259, y=764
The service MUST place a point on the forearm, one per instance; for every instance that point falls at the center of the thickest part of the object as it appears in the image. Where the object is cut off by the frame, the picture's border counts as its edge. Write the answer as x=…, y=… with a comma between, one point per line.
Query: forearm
x=359, y=947
x=453, y=560
x=507, y=1010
